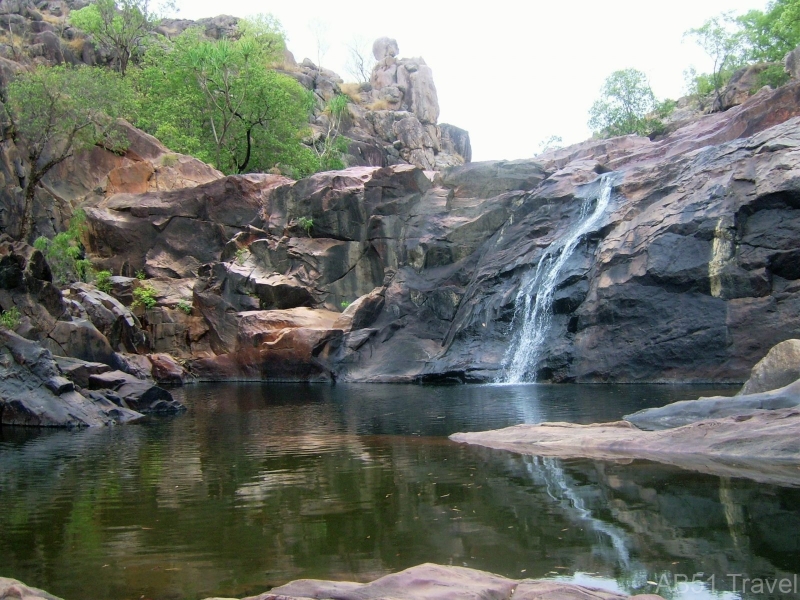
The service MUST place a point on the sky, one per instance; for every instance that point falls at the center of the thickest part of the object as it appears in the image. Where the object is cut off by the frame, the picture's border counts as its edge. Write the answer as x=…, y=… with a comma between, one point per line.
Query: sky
x=512, y=73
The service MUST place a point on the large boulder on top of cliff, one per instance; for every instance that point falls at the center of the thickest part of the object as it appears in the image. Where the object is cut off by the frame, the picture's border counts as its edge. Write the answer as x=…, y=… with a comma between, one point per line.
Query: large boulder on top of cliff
x=383, y=47
x=742, y=84
x=779, y=368
x=405, y=84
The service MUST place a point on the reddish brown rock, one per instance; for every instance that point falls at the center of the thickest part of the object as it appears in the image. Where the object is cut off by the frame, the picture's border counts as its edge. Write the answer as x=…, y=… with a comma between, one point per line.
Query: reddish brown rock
x=437, y=582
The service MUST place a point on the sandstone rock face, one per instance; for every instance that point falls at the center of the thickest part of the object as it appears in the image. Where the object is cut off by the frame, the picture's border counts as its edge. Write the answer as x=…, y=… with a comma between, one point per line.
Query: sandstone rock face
x=779, y=368
x=697, y=244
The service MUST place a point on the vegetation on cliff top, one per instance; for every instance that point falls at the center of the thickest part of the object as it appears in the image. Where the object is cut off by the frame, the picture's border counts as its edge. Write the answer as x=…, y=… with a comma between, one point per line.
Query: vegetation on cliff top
x=627, y=104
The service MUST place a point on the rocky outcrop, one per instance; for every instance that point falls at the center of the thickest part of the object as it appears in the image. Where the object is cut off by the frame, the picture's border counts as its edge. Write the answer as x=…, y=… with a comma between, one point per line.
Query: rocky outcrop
x=11, y=588
x=34, y=392
x=686, y=412
x=760, y=446
x=697, y=244
x=423, y=582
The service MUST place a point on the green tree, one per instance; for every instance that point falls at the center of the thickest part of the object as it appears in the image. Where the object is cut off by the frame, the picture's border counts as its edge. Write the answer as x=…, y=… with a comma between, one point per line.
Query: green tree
x=723, y=42
x=625, y=103
x=219, y=100
x=57, y=111
x=120, y=25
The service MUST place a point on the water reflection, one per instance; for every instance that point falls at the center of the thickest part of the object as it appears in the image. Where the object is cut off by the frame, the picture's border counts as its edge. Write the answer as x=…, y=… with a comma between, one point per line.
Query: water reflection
x=258, y=485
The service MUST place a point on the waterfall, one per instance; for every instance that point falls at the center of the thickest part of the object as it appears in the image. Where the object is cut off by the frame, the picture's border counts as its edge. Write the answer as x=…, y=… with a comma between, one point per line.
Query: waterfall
x=534, y=303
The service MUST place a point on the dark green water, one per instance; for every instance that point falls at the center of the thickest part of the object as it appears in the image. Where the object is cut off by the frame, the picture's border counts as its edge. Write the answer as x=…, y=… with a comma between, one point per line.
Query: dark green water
x=259, y=485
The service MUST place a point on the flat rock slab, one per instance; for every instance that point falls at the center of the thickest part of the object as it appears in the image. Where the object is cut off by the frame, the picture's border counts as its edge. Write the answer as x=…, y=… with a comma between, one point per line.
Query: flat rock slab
x=764, y=445
x=437, y=582
x=11, y=588
x=685, y=412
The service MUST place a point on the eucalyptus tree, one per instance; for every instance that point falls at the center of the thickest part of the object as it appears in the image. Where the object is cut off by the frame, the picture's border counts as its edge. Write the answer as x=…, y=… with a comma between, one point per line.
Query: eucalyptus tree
x=624, y=106
x=220, y=101
x=120, y=25
x=58, y=111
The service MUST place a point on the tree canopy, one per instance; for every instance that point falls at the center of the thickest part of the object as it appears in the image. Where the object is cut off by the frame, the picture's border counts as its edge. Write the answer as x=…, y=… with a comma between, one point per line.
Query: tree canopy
x=219, y=100
x=120, y=25
x=624, y=105
x=57, y=111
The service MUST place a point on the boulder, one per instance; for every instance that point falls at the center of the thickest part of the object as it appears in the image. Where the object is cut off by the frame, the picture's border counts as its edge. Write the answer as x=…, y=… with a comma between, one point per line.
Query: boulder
x=742, y=84
x=133, y=393
x=778, y=369
x=686, y=412
x=275, y=345
x=34, y=393
x=791, y=63
x=11, y=588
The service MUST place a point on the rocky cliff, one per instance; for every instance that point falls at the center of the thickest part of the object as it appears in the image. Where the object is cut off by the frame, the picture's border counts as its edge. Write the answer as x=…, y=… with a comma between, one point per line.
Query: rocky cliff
x=411, y=275
x=390, y=271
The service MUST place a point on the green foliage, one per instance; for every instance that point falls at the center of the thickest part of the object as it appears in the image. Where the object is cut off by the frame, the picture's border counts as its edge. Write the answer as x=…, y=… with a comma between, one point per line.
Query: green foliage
x=554, y=142
x=625, y=106
x=102, y=279
x=344, y=304
x=185, y=306
x=144, y=295
x=724, y=44
x=306, y=223
x=57, y=111
x=9, y=319
x=218, y=101
x=122, y=26
x=140, y=275
x=774, y=76
x=241, y=255
x=64, y=253
x=331, y=146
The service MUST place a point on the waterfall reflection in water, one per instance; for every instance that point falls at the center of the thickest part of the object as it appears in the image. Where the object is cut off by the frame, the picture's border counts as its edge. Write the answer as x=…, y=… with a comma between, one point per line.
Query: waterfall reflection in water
x=258, y=485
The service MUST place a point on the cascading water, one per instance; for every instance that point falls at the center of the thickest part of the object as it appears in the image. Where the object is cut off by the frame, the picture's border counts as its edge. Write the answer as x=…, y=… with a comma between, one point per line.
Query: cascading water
x=534, y=303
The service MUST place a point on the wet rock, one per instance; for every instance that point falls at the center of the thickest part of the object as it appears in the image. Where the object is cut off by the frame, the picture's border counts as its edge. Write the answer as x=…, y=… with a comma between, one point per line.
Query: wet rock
x=134, y=393
x=167, y=370
x=78, y=371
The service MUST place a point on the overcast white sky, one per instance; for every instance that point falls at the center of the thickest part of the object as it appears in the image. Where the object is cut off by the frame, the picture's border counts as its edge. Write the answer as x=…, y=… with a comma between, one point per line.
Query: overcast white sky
x=512, y=73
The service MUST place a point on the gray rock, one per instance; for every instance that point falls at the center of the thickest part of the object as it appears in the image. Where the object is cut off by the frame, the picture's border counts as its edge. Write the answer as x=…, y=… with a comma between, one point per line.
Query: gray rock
x=34, y=393
x=779, y=368
x=683, y=413
x=136, y=394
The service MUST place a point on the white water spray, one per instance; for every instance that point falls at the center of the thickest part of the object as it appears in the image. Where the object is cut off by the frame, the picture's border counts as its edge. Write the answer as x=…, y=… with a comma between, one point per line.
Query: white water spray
x=534, y=303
